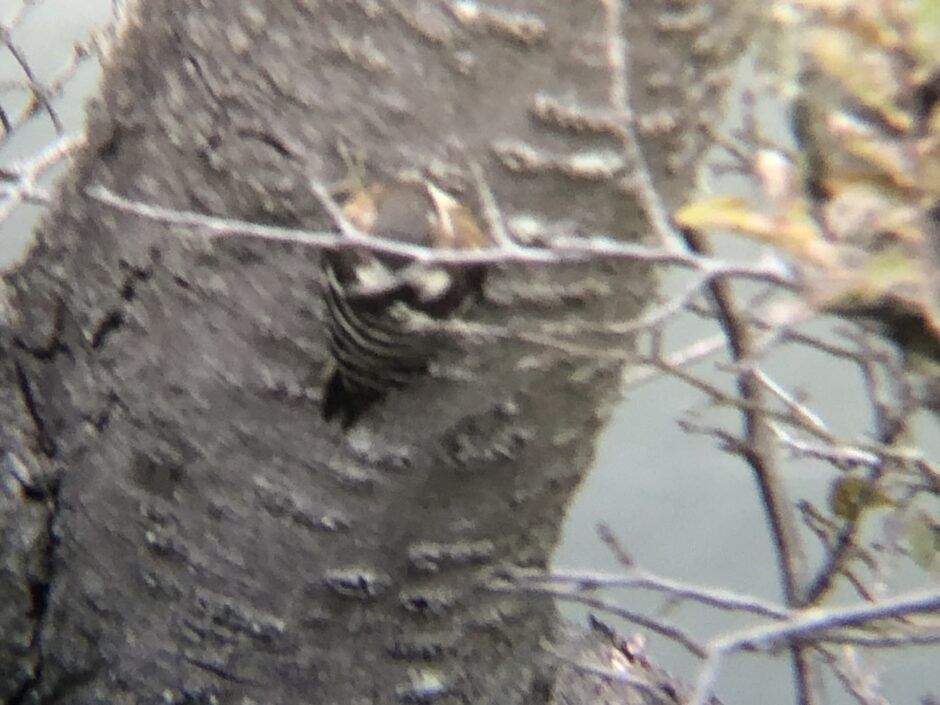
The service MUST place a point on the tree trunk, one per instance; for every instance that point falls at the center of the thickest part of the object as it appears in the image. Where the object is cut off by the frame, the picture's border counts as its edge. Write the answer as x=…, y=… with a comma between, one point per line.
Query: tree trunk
x=179, y=524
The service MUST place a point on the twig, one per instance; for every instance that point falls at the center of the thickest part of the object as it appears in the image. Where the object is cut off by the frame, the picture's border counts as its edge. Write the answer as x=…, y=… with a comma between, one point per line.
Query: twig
x=562, y=249
x=640, y=578
x=653, y=366
x=664, y=629
x=40, y=93
x=808, y=623
x=641, y=182
x=24, y=175
x=620, y=676
x=491, y=212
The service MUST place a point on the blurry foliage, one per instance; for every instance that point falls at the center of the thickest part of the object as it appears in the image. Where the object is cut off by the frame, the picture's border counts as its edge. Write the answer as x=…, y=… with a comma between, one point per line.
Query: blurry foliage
x=855, y=209
x=850, y=495
x=858, y=209
x=923, y=542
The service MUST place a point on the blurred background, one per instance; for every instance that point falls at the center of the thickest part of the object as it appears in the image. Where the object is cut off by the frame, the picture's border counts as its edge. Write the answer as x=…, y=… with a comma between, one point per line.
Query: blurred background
x=680, y=506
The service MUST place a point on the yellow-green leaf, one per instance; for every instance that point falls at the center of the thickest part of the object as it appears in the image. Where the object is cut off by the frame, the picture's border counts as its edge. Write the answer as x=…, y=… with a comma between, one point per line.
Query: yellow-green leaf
x=923, y=542
x=793, y=231
x=890, y=269
x=888, y=157
x=850, y=495
x=865, y=73
x=926, y=15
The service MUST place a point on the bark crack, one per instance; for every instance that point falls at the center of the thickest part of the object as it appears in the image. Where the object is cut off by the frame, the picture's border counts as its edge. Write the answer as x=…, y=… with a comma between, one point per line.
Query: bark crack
x=56, y=344
x=39, y=588
x=43, y=437
x=115, y=318
x=217, y=671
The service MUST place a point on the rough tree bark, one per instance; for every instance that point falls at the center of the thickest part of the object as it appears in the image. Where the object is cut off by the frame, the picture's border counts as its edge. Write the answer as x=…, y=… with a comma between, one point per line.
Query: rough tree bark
x=179, y=524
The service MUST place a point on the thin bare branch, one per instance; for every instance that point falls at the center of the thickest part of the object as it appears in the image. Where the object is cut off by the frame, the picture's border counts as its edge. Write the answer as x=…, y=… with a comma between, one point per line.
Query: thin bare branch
x=812, y=623
x=583, y=581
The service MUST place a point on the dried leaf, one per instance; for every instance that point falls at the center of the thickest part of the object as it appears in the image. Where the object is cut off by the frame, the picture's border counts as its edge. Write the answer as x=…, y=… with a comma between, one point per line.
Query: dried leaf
x=793, y=231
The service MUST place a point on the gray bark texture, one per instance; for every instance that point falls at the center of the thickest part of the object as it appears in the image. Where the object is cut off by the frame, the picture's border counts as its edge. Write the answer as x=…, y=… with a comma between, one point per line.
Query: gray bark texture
x=178, y=523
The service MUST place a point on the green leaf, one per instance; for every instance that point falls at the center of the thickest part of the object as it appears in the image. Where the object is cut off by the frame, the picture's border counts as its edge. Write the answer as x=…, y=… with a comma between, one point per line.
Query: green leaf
x=927, y=24
x=923, y=542
x=851, y=495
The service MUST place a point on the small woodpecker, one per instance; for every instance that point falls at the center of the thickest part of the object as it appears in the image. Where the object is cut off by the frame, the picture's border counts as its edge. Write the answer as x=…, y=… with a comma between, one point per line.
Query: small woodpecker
x=369, y=296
